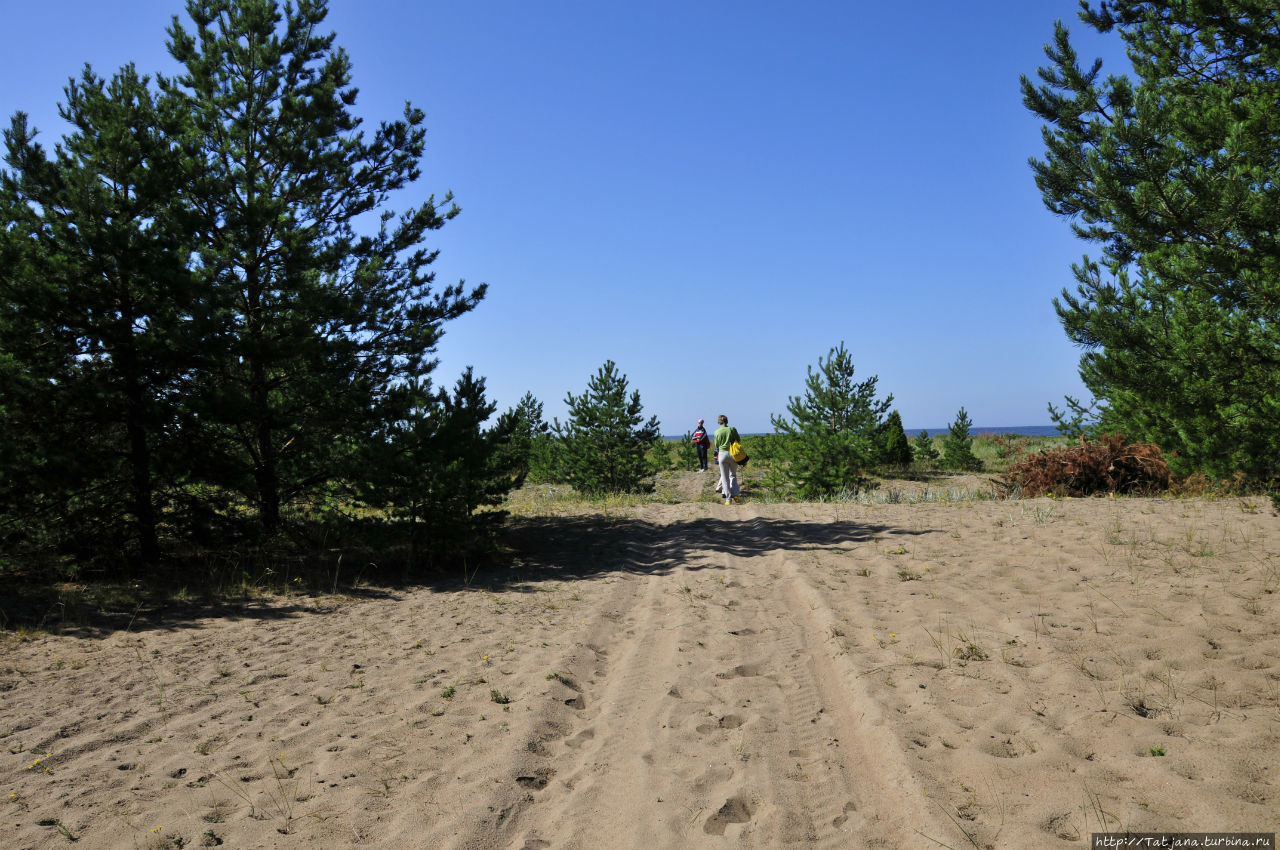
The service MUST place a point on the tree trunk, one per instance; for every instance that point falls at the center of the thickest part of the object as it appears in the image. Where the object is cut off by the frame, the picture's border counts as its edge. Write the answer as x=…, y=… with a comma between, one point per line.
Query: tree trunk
x=139, y=458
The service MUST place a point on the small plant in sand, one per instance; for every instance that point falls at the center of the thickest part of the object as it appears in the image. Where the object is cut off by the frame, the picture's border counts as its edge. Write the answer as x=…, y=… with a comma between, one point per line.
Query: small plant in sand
x=284, y=794
x=968, y=648
x=39, y=760
x=499, y=697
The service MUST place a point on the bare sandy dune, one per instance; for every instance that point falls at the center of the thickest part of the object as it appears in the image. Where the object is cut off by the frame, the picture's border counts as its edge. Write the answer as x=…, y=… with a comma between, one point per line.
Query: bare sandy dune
x=991, y=674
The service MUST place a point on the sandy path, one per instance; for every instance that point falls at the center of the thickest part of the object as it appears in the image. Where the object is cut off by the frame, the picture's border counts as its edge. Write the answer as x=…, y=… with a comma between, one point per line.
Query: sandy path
x=710, y=715
x=691, y=675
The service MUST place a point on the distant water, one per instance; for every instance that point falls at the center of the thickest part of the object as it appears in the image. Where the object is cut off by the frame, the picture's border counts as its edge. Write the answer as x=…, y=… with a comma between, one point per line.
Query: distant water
x=1024, y=430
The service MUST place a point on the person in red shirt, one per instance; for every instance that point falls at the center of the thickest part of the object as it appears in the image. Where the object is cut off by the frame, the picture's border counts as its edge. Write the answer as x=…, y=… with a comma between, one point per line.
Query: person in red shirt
x=703, y=441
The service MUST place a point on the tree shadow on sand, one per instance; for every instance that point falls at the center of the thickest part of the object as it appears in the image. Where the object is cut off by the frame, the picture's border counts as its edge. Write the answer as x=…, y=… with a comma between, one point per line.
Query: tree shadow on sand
x=587, y=547
x=536, y=550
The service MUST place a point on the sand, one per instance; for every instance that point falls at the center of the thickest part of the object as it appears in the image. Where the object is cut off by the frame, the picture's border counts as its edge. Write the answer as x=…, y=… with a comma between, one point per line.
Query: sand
x=989, y=674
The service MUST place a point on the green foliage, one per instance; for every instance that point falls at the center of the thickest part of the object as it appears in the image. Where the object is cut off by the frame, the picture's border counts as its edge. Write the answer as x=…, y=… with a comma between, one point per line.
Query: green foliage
x=603, y=446
x=544, y=460
x=687, y=452
x=316, y=323
x=830, y=439
x=1078, y=420
x=438, y=464
x=767, y=448
x=1173, y=171
x=661, y=456
x=193, y=335
x=895, y=451
x=957, y=448
x=922, y=451
x=527, y=429
x=96, y=318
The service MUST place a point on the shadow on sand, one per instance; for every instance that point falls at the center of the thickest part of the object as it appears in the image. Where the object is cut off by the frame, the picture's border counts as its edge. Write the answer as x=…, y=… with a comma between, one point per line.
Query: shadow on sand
x=536, y=550
x=588, y=547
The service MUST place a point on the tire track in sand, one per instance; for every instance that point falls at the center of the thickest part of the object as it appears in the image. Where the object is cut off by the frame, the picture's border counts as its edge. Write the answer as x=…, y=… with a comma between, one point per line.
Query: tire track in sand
x=601, y=765
x=720, y=704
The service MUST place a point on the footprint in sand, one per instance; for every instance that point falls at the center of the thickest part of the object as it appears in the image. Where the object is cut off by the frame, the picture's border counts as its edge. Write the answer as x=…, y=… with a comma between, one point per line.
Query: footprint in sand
x=581, y=739
x=741, y=671
x=538, y=780
x=735, y=810
x=1006, y=747
x=729, y=721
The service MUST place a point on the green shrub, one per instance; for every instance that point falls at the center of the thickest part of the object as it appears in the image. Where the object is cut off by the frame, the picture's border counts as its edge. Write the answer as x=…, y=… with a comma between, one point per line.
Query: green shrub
x=661, y=455
x=923, y=453
x=832, y=431
x=687, y=452
x=544, y=460
x=957, y=448
x=895, y=451
x=605, y=446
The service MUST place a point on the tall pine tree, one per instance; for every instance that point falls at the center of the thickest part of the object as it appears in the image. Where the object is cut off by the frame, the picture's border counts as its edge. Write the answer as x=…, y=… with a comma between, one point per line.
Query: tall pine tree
x=1173, y=172
x=320, y=322
x=98, y=318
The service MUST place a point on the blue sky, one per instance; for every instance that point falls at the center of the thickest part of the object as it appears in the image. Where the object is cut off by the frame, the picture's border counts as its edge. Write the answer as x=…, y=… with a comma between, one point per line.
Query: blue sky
x=712, y=195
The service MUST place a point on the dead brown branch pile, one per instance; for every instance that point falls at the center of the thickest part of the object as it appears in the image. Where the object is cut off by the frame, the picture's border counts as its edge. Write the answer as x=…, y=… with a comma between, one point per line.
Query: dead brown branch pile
x=1105, y=465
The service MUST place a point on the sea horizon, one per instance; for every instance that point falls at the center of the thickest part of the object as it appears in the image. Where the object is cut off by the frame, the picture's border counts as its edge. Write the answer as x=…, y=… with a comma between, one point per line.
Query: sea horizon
x=975, y=430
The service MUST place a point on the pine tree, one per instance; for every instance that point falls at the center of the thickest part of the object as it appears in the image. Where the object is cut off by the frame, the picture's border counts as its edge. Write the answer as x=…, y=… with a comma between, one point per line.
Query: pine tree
x=440, y=464
x=687, y=452
x=602, y=447
x=894, y=448
x=319, y=323
x=98, y=318
x=831, y=438
x=1172, y=171
x=527, y=429
x=923, y=452
x=957, y=448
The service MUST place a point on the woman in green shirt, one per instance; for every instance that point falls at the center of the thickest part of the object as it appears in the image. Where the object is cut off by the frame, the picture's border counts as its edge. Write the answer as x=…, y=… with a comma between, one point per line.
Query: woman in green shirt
x=728, y=466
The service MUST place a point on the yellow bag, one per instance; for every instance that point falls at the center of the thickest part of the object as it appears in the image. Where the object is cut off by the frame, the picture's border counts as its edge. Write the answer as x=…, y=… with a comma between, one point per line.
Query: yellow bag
x=737, y=452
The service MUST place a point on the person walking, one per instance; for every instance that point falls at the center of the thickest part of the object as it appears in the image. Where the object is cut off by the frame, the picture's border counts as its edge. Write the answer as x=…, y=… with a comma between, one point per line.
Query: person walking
x=703, y=441
x=724, y=437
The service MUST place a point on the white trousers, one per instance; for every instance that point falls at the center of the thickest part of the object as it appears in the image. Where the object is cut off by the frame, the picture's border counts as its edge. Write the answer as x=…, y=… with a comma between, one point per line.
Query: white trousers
x=728, y=475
